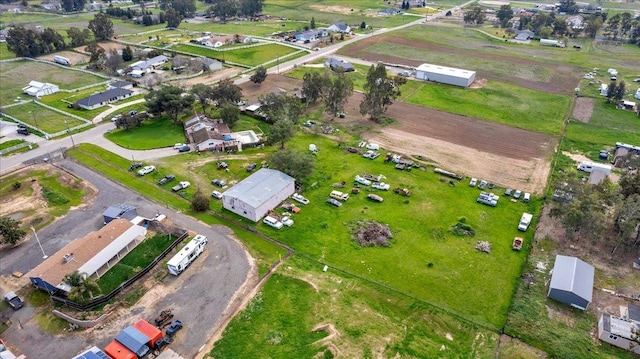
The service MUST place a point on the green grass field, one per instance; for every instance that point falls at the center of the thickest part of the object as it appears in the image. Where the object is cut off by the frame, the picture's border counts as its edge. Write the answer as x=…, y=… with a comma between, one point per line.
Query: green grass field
x=498, y=102
x=4, y=52
x=152, y=134
x=253, y=56
x=10, y=143
x=42, y=118
x=61, y=101
x=12, y=85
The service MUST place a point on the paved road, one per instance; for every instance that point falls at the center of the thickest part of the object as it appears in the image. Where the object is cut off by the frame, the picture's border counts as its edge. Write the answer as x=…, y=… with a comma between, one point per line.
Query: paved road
x=203, y=291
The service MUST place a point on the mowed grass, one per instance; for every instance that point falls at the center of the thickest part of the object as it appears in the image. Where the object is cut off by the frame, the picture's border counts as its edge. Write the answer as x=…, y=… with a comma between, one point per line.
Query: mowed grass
x=252, y=56
x=370, y=321
x=61, y=101
x=152, y=134
x=4, y=52
x=12, y=84
x=139, y=258
x=42, y=118
x=498, y=102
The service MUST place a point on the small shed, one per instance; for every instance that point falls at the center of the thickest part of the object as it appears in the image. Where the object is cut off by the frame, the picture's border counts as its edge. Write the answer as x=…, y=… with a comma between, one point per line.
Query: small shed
x=119, y=211
x=597, y=175
x=115, y=350
x=572, y=282
x=149, y=330
x=134, y=340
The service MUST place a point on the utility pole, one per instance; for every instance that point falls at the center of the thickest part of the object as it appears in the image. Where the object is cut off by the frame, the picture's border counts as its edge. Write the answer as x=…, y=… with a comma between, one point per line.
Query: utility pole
x=44, y=256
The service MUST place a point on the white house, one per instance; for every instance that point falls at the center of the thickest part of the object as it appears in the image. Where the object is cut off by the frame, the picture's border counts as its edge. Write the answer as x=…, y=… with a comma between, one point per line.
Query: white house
x=445, y=75
x=37, y=89
x=339, y=27
x=619, y=332
x=152, y=63
x=256, y=195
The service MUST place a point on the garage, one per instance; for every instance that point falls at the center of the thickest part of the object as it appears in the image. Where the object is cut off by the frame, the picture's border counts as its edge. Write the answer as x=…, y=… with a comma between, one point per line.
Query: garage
x=445, y=75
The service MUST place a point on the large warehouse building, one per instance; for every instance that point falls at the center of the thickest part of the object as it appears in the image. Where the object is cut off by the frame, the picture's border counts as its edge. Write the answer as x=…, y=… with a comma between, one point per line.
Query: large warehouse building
x=445, y=75
x=259, y=193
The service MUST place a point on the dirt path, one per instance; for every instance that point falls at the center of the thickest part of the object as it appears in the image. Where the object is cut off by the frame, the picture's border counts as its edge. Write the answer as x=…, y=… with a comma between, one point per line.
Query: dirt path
x=583, y=109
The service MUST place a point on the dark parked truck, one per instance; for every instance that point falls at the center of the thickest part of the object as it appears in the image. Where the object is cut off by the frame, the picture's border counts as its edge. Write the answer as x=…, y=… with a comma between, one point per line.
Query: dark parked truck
x=13, y=300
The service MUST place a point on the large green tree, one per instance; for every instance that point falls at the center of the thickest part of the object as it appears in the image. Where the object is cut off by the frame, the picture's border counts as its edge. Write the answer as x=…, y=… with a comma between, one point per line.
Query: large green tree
x=173, y=18
x=314, y=85
x=379, y=91
x=474, y=16
x=251, y=7
x=10, y=231
x=101, y=26
x=225, y=8
x=281, y=107
x=81, y=286
x=203, y=93
x=72, y=5
x=337, y=92
x=259, y=76
x=78, y=36
x=504, y=14
x=294, y=163
x=230, y=114
x=226, y=92
x=281, y=132
x=169, y=100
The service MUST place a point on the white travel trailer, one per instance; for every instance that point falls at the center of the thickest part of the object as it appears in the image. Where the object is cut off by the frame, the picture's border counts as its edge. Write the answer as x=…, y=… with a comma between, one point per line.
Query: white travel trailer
x=187, y=255
x=588, y=167
x=62, y=60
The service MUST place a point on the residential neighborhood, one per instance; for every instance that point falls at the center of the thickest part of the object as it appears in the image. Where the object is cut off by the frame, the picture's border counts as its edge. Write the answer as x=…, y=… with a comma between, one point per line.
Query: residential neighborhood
x=304, y=179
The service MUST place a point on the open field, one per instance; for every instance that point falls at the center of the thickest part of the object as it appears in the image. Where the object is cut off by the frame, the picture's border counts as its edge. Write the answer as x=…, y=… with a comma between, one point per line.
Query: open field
x=348, y=316
x=252, y=56
x=12, y=85
x=42, y=118
x=152, y=134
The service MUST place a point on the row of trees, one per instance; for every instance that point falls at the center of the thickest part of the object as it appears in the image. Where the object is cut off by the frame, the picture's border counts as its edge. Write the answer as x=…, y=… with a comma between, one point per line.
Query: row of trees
x=228, y=8
x=603, y=214
x=623, y=26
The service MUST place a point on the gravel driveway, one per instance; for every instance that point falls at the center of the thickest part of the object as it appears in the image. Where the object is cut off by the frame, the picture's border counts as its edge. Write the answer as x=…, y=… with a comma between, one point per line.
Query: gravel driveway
x=200, y=296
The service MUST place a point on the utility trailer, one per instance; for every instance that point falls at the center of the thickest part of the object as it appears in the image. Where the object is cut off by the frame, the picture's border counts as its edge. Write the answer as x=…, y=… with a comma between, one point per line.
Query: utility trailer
x=187, y=255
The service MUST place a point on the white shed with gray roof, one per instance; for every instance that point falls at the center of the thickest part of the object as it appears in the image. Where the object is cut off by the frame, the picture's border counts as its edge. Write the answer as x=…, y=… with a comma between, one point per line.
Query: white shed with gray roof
x=259, y=193
x=572, y=282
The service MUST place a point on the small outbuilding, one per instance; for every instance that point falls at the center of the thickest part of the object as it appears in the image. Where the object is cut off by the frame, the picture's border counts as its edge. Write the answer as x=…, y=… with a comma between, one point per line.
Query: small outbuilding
x=445, y=75
x=119, y=211
x=38, y=89
x=572, y=282
x=116, y=350
x=339, y=65
x=134, y=340
x=259, y=193
x=154, y=334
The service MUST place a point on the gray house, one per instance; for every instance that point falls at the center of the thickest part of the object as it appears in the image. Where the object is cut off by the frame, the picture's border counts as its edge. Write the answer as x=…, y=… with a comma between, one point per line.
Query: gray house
x=572, y=282
x=104, y=98
x=259, y=193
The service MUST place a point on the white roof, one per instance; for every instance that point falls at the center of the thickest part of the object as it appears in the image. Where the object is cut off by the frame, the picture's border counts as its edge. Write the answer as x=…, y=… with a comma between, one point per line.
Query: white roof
x=444, y=70
x=112, y=250
x=252, y=108
x=186, y=250
x=573, y=275
x=260, y=187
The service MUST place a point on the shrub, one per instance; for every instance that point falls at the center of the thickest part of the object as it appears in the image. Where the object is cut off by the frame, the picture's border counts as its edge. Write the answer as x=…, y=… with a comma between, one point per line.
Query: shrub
x=200, y=202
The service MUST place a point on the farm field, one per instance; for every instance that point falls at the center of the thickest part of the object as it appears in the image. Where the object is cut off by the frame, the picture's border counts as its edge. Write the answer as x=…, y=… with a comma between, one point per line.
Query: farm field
x=42, y=118
x=250, y=57
x=66, y=79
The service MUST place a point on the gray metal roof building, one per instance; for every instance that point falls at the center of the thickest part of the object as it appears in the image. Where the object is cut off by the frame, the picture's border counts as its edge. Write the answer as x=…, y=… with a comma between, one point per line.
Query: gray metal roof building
x=133, y=340
x=572, y=282
x=253, y=197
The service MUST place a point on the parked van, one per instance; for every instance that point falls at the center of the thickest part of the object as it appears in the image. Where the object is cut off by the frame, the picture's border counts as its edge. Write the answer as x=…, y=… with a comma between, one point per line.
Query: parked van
x=527, y=197
x=339, y=195
x=270, y=221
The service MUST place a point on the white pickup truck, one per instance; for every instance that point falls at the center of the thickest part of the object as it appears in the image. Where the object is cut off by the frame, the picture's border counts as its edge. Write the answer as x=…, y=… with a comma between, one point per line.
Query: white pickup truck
x=180, y=186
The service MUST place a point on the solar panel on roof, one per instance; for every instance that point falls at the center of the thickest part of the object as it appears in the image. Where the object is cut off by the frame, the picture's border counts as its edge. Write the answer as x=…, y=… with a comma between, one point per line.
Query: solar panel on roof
x=93, y=354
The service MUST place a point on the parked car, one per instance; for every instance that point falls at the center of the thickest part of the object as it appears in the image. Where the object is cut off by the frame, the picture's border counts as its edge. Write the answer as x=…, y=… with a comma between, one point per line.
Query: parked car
x=219, y=182
x=375, y=197
x=133, y=113
x=508, y=192
x=23, y=131
x=146, y=170
x=184, y=148
x=381, y=185
x=287, y=221
x=174, y=327
x=135, y=166
x=164, y=317
x=240, y=103
x=483, y=184
x=13, y=300
x=178, y=146
x=527, y=197
x=334, y=202
x=405, y=73
x=251, y=167
x=116, y=118
x=166, y=179
x=216, y=195
x=473, y=182
x=223, y=165
x=362, y=180
x=270, y=221
x=517, y=194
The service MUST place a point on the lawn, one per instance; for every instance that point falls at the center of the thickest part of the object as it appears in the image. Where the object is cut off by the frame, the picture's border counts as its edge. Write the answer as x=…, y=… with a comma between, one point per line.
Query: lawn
x=152, y=134
x=498, y=102
x=139, y=258
x=4, y=52
x=12, y=85
x=253, y=56
x=372, y=321
x=42, y=118
x=61, y=101
x=11, y=143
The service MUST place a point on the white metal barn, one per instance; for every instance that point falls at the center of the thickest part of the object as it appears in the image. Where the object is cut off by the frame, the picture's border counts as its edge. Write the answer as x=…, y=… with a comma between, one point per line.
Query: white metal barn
x=445, y=75
x=259, y=193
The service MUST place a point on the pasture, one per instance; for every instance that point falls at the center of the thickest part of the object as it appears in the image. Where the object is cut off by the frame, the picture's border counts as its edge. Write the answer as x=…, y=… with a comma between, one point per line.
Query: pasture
x=42, y=118
x=12, y=85
x=152, y=134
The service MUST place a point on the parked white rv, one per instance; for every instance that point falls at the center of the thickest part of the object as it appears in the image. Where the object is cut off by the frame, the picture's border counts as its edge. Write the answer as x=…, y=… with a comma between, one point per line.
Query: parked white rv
x=525, y=221
x=588, y=167
x=62, y=60
x=188, y=254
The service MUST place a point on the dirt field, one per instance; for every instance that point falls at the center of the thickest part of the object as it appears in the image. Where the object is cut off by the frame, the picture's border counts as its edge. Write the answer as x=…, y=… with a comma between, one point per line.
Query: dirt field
x=583, y=109
x=335, y=8
x=208, y=78
x=504, y=155
x=562, y=81
x=74, y=57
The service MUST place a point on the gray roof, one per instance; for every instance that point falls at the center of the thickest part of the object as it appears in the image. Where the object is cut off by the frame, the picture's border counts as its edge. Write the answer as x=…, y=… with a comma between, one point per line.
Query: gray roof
x=260, y=186
x=151, y=62
x=573, y=275
x=596, y=176
x=341, y=25
x=134, y=340
x=334, y=63
x=633, y=312
x=104, y=96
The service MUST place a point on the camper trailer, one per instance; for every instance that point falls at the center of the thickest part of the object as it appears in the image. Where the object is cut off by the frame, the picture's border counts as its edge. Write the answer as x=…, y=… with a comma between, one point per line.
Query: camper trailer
x=588, y=167
x=188, y=254
x=62, y=60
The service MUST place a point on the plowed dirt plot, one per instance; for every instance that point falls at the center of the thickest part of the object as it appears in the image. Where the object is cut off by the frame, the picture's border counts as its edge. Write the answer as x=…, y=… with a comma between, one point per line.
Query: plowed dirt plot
x=500, y=154
x=563, y=80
